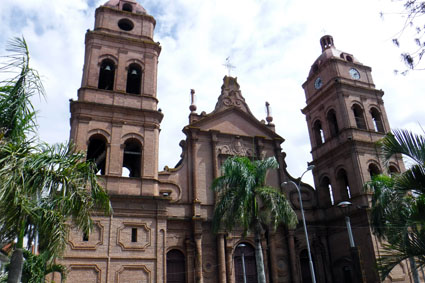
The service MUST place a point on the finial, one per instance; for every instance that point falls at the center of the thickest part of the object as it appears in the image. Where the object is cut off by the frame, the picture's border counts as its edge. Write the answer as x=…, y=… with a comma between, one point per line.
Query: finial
x=228, y=65
x=269, y=117
x=192, y=106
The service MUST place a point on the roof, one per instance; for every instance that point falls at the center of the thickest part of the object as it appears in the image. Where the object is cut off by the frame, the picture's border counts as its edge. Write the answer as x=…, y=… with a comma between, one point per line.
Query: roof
x=137, y=8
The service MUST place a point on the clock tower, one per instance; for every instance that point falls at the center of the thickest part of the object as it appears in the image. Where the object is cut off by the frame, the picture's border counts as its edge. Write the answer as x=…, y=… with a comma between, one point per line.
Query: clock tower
x=346, y=116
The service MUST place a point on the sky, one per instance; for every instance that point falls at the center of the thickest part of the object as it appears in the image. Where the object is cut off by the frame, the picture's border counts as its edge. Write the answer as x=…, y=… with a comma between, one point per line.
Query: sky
x=272, y=44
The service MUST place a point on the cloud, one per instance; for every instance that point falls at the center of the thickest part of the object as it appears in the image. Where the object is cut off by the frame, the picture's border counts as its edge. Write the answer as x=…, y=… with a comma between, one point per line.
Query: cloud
x=272, y=44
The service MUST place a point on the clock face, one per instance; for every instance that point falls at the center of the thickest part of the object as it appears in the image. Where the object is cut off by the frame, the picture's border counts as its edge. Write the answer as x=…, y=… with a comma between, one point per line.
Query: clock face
x=318, y=83
x=354, y=74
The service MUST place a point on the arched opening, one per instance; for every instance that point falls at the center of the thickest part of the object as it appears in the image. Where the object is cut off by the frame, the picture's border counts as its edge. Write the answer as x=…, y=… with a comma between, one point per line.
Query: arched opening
x=106, y=75
x=393, y=170
x=318, y=133
x=327, y=187
x=132, y=160
x=245, y=266
x=343, y=184
x=97, y=153
x=134, y=79
x=377, y=121
x=176, y=265
x=374, y=170
x=127, y=7
x=305, y=267
x=359, y=117
x=333, y=123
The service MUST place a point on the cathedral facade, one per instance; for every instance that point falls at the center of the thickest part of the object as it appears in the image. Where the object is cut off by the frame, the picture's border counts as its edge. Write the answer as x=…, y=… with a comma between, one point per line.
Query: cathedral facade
x=160, y=229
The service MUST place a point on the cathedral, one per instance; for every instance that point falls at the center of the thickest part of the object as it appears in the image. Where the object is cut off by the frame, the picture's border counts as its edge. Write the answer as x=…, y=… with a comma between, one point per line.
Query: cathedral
x=160, y=229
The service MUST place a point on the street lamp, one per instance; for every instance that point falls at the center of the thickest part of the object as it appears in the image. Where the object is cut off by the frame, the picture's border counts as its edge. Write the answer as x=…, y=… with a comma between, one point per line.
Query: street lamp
x=345, y=207
x=243, y=262
x=355, y=252
x=313, y=276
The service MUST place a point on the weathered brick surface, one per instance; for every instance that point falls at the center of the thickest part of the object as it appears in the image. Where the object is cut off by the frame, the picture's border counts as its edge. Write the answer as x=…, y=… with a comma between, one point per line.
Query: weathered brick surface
x=172, y=209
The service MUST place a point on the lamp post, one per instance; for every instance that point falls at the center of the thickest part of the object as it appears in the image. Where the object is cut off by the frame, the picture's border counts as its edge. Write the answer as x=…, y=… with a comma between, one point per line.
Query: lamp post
x=310, y=260
x=243, y=262
x=355, y=252
x=345, y=206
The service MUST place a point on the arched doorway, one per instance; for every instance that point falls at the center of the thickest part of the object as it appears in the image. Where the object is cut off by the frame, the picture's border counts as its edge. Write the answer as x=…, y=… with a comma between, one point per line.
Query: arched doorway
x=245, y=266
x=176, y=272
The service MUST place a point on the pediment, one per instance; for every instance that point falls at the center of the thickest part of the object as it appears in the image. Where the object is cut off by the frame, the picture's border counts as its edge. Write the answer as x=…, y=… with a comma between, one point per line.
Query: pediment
x=235, y=122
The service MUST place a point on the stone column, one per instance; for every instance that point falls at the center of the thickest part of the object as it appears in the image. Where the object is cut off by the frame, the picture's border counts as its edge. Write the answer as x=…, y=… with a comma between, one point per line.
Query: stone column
x=220, y=238
x=293, y=257
x=221, y=259
x=273, y=258
x=193, y=140
x=190, y=264
x=198, y=259
x=229, y=265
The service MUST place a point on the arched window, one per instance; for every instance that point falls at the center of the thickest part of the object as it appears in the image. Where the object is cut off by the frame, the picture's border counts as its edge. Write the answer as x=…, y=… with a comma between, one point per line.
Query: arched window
x=343, y=184
x=377, y=121
x=374, y=170
x=359, y=117
x=393, y=170
x=326, y=185
x=106, y=75
x=127, y=7
x=318, y=133
x=132, y=159
x=305, y=267
x=333, y=123
x=245, y=266
x=176, y=266
x=97, y=152
x=134, y=79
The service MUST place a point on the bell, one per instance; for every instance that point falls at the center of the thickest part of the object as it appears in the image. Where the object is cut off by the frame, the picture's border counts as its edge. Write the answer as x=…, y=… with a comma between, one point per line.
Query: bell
x=134, y=72
x=107, y=68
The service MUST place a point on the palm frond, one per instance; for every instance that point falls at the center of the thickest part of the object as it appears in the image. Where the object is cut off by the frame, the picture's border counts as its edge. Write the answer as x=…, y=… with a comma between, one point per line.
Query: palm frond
x=276, y=207
x=17, y=115
x=413, y=180
x=406, y=143
x=242, y=196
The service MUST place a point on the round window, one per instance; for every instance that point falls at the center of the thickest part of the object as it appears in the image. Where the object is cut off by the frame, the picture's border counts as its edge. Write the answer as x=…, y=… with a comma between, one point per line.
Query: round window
x=125, y=24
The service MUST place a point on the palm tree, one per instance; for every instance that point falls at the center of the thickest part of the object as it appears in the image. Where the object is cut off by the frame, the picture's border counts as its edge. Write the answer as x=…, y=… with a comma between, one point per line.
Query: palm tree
x=243, y=200
x=36, y=268
x=43, y=189
x=398, y=204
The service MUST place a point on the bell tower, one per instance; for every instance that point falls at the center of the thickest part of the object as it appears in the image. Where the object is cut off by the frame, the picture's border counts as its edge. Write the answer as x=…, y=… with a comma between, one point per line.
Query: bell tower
x=346, y=116
x=115, y=119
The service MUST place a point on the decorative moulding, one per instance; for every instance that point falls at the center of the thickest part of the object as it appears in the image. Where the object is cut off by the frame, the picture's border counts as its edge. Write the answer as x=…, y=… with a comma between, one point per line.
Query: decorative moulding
x=95, y=238
x=133, y=268
x=143, y=236
x=93, y=267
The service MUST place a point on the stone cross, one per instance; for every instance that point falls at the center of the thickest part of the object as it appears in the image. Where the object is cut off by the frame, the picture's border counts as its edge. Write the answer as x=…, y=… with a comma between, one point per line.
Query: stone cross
x=228, y=65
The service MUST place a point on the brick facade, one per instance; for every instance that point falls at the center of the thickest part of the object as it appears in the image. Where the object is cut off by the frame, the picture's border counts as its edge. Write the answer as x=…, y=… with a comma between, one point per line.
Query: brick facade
x=169, y=212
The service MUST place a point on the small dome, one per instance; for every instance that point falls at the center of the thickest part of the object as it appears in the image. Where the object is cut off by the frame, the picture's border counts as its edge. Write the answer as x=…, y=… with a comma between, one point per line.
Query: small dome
x=329, y=51
x=126, y=5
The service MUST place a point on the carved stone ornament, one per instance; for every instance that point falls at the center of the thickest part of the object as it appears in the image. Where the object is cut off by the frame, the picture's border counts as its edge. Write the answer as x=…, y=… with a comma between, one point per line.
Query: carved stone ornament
x=231, y=96
x=235, y=148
